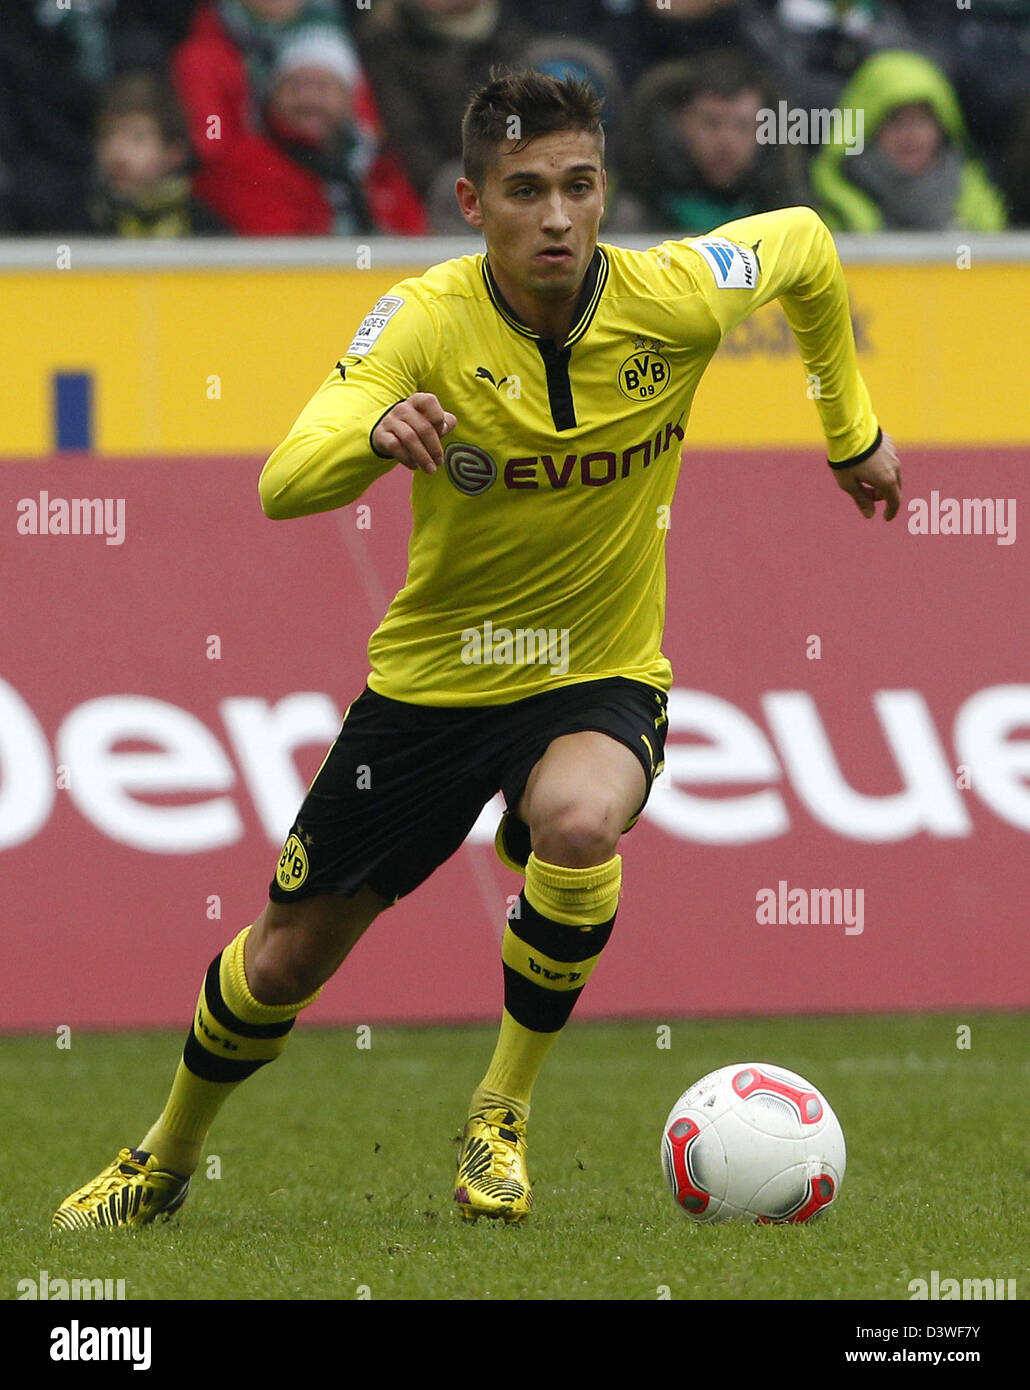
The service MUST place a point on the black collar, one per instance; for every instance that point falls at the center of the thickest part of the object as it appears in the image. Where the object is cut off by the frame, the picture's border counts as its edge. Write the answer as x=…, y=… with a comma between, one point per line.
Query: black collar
x=594, y=281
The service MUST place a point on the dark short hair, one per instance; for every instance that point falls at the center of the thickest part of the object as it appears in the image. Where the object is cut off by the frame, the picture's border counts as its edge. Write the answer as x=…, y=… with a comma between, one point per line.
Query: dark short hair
x=143, y=94
x=542, y=105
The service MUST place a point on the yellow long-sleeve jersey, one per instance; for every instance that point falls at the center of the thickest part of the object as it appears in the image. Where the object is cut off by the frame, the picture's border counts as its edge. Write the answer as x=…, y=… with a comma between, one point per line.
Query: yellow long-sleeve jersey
x=537, y=555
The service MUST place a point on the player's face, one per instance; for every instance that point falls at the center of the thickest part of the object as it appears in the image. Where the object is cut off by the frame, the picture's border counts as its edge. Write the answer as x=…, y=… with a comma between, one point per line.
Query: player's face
x=539, y=209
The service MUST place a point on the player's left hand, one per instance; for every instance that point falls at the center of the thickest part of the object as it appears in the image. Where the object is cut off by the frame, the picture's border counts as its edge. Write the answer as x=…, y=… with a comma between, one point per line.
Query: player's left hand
x=875, y=479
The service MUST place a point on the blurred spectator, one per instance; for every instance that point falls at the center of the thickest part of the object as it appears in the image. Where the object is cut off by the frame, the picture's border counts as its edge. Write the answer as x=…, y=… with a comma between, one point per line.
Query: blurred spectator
x=820, y=43
x=223, y=73
x=143, y=32
x=1014, y=165
x=599, y=20
x=664, y=30
x=311, y=115
x=55, y=59
x=46, y=127
x=424, y=57
x=916, y=169
x=984, y=49
x=698, y=161
x=140, y=184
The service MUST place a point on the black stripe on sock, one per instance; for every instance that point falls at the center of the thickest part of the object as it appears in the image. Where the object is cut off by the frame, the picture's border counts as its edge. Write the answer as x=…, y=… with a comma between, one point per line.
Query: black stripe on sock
x=557, y=939
x=211, y=1068
x=222, y=1014
x=540, y=1010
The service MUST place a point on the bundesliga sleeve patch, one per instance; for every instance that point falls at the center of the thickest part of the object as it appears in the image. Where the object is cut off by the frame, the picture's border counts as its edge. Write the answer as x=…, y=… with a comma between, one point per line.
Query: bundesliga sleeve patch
x=373, y=324
x=734, y=267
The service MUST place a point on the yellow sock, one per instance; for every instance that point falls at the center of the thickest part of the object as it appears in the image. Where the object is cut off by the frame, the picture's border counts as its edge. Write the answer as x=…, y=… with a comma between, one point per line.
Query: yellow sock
x=233, y=1034
x=551, y=946
x=514, y=1067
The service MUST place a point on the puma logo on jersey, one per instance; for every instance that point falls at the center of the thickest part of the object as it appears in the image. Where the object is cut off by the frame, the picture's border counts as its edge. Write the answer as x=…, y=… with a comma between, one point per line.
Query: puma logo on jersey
x=489, y=376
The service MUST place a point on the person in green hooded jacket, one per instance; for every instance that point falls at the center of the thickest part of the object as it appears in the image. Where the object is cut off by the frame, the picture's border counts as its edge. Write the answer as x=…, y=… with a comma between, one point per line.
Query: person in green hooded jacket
x=914, y=169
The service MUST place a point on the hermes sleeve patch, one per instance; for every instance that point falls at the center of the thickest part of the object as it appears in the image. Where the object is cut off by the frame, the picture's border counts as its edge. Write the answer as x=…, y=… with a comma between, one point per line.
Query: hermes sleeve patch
x=734, y=267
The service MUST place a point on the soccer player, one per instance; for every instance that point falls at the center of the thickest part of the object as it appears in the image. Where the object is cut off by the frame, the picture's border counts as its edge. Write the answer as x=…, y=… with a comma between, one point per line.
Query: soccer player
x=539, y=395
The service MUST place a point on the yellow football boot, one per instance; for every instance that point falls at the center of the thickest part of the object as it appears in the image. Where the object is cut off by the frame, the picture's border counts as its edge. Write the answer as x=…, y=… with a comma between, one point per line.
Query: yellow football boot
x=131, y=1191
x=492, y=1179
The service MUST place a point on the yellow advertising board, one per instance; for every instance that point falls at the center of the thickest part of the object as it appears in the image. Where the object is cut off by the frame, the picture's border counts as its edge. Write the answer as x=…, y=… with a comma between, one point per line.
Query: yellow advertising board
x=220, y=360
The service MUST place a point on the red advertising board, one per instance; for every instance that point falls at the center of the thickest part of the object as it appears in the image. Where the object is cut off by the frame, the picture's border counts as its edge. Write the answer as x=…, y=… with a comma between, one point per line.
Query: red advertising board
x=844, y=821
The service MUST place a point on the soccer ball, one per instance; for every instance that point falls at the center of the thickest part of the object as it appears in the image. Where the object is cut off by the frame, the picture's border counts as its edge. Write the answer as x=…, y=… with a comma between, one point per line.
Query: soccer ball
x=753, y=1142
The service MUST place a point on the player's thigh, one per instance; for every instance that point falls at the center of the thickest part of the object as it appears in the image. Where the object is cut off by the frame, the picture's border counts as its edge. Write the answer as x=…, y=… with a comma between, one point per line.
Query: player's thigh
x=586, y=787
x=293, y=948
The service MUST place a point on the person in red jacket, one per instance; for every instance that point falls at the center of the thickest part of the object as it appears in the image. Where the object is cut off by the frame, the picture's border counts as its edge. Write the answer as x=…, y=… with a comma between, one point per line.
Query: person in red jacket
x=221, y=73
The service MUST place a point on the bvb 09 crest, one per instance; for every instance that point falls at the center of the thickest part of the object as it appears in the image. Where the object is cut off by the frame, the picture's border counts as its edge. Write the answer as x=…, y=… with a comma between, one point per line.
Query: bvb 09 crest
x=293, y=865
x=646, y=374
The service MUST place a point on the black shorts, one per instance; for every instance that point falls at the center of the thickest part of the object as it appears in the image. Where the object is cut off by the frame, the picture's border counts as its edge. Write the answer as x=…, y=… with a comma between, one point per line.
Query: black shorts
x=403, y=784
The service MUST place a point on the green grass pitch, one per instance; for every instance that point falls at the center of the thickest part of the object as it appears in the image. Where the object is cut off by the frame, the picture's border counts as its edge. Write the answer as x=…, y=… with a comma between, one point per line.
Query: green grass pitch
x=334, y=1165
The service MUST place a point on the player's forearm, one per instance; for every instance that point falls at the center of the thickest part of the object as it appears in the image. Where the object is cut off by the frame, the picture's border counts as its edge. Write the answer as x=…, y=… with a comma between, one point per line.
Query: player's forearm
x=817, y=309
x=315, y=470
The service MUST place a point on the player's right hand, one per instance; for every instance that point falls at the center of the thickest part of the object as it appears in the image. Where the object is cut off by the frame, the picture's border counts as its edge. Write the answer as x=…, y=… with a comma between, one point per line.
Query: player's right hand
x=412, y=430
x=877, y=479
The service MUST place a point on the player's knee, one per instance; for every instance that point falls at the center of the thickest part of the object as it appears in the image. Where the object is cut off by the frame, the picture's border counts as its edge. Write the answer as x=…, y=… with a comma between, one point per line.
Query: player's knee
x=280, y=974
x=287, y=960
x=577, y=836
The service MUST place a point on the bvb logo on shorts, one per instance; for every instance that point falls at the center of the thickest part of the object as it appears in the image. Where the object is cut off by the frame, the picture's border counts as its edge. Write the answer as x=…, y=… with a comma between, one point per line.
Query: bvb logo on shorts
x=293, y=865
x=646, y=374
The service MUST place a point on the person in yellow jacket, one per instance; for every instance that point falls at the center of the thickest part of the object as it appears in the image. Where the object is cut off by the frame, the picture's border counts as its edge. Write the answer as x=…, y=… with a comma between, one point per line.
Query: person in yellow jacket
x=914, y=169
